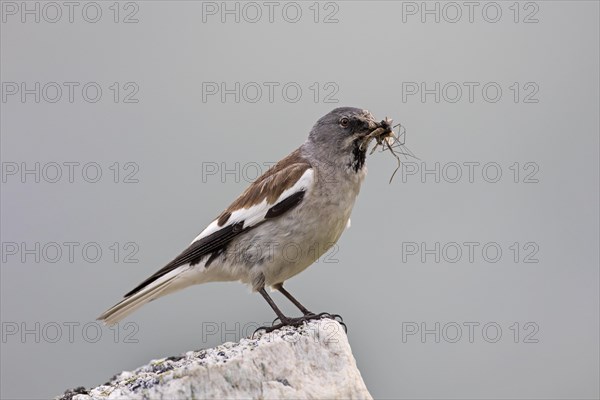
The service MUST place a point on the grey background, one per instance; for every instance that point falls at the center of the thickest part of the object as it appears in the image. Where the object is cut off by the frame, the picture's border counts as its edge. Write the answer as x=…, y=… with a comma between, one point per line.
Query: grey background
x=171, y=134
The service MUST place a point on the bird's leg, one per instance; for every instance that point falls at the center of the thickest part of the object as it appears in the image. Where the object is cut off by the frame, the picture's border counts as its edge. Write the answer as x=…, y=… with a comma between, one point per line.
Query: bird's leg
x=286, y=321
x=280, y=316
x=291, y=298
x=269, y=300
x=308, y=315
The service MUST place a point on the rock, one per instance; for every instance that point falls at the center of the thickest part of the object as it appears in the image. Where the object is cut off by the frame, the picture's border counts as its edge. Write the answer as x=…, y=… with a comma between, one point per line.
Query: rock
x=313, y=361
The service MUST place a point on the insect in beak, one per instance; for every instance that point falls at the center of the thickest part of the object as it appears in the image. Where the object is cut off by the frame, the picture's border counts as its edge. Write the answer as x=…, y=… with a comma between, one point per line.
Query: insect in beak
x=388, y=139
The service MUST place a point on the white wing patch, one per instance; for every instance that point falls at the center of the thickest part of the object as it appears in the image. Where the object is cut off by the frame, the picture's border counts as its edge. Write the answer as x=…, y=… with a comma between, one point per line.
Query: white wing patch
x=256, y=214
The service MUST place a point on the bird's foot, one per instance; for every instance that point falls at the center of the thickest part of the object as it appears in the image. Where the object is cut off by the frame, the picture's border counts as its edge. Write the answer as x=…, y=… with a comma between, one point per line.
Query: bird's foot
x=301, y=320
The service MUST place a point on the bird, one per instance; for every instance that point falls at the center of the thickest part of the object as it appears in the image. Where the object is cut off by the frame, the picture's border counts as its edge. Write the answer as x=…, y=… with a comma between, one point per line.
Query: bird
x=303, y=203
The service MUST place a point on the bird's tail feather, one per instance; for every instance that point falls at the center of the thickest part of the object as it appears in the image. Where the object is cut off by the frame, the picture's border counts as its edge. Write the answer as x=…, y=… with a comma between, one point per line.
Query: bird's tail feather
x=160, y=287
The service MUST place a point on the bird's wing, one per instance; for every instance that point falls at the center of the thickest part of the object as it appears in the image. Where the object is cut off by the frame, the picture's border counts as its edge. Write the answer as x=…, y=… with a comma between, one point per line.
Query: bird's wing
x=274, y=193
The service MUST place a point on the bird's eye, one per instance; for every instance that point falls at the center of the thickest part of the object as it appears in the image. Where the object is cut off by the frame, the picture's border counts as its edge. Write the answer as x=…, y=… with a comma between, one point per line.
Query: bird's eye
x=344, y=122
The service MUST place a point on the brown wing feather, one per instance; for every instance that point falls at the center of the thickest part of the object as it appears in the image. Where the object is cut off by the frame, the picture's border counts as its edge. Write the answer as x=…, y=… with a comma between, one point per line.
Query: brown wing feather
x=269, y=185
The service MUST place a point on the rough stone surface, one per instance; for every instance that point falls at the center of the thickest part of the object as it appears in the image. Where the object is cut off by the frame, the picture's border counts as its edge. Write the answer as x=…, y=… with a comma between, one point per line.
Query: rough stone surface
x=313, y=361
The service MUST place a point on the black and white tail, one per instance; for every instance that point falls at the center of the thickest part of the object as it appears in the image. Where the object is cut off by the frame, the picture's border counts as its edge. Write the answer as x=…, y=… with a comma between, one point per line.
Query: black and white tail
x=165, y=284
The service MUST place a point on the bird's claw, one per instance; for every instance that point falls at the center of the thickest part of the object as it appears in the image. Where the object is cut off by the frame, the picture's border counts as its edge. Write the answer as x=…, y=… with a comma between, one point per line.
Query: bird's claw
x=336, y=317
x=308, y=314
x=299, y=321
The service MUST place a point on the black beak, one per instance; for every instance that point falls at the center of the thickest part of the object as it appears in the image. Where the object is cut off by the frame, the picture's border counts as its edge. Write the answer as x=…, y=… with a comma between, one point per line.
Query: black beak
x=387, y=125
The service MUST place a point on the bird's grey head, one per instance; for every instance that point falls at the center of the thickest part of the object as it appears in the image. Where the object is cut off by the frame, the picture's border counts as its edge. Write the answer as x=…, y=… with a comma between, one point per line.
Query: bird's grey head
x=337, y=137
